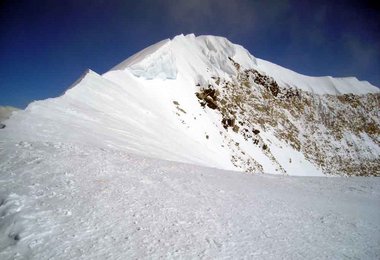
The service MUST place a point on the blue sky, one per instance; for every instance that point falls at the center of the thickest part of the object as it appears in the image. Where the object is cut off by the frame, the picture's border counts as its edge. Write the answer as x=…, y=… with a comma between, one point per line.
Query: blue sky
x=45, y=45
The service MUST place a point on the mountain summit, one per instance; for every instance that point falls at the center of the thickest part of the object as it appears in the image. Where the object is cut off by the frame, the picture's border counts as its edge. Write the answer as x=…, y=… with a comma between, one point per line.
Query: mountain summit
x=203, y=57
x=206, y=101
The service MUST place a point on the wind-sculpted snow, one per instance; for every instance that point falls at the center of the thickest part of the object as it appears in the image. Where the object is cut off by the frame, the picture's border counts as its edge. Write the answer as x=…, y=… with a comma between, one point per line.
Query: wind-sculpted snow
x=160, y=65
x=134, y=119
x=141, y=55
x=70, y=201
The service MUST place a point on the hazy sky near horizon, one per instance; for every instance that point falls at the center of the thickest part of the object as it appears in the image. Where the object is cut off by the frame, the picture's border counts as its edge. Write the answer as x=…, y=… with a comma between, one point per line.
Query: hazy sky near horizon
x=45, y=45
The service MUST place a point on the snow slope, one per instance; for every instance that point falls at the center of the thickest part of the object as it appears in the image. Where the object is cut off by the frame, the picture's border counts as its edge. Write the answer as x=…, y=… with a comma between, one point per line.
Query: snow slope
x=99, y=112
x=147, y=105
x=69, y=201
x=317, y=85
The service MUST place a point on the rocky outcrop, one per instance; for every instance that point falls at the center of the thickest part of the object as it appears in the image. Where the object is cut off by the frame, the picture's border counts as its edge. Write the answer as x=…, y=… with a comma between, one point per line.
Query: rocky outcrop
x=338, y=133
x=6, y=112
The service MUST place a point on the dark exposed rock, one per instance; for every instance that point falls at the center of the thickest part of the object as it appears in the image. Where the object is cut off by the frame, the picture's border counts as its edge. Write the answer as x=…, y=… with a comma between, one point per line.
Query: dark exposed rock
x=237, y=65
x=228, y=122
x=273, y=87
x=256, y=131
x=209, y=97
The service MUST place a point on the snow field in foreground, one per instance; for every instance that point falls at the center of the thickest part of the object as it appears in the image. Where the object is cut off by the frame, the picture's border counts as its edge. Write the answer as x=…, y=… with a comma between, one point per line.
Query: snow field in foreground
x=66, y=201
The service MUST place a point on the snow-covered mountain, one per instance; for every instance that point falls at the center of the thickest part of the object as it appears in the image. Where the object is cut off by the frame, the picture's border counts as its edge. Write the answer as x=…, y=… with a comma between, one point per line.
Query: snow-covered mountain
x=76, y=183
x=206, y=101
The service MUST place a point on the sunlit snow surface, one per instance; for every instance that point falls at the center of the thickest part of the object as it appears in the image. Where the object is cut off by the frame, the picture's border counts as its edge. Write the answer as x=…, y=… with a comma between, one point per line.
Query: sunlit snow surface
x=66, y=201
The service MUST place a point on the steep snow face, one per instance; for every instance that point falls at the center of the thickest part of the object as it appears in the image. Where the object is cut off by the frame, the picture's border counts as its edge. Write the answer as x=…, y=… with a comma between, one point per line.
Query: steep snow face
x=156, y=61
x=205, y=101
x=194, y=58
x=199, y=58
